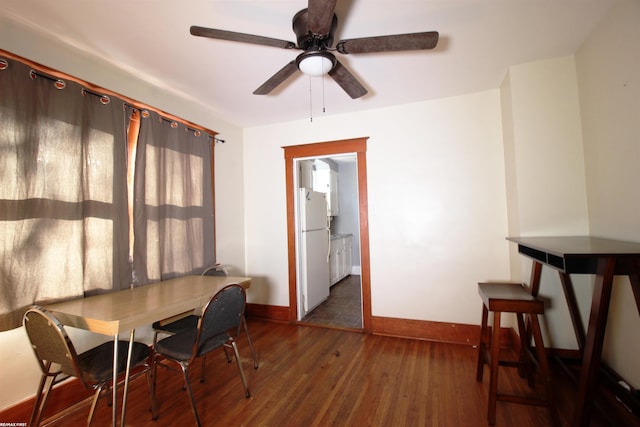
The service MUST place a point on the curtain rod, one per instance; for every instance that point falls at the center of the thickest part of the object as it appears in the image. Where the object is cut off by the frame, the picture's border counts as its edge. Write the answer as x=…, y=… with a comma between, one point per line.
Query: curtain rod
x=60, y=75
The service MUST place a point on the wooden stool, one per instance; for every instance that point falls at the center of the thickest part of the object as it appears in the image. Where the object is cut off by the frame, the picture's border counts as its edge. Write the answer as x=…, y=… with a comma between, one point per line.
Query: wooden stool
x=513, y=298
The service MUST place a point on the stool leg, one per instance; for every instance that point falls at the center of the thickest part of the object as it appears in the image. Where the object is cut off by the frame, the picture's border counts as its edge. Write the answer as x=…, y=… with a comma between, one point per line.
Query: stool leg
x=482, y=345
x=544, y=367
x=525, y=370
x=495, y=359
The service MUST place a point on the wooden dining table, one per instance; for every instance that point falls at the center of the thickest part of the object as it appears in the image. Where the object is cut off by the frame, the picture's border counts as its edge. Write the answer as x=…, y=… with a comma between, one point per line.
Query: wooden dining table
x=602, y=258
x=121, y=312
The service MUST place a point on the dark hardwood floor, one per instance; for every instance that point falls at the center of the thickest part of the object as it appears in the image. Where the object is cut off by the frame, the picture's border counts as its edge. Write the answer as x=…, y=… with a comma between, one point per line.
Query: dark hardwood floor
x=314, y=376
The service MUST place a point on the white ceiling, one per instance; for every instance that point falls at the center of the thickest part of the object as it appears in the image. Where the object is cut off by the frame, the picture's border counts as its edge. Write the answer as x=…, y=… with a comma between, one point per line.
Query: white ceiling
x=479, y=40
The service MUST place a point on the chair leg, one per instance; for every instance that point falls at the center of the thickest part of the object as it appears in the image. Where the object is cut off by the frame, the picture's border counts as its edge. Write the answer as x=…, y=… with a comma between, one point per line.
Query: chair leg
x=41, y=398
x=185, y=371
x=253, y=352
x=482, y=345
x=154, y=371
x=226, y=354
x=495, y=359
x=94, y=402
x=239, y=362
x=203, y=366
x=149, y=375
x=525, y=370
x=544, y=367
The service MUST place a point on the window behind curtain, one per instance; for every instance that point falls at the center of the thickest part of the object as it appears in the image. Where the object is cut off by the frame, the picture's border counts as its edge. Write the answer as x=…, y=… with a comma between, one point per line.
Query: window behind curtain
x=64, y=200
x=63, y=206
x=173, y=209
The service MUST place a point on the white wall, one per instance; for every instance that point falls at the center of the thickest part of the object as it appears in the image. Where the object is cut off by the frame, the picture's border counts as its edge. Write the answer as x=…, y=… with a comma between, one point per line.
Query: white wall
x=545, y=164
x=437, y=210
x=608, y=68
x=229, y=199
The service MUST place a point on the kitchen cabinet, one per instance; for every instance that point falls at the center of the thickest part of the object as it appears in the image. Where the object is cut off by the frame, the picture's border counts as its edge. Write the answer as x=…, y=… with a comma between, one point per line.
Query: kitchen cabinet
x=326, y=180
x=333, y=262
x=340, y=261
x=306, y=172
x=348, y=262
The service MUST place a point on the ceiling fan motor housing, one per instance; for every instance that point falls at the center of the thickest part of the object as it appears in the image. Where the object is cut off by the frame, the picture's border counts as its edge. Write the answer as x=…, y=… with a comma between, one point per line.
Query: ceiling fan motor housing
x=306, y=39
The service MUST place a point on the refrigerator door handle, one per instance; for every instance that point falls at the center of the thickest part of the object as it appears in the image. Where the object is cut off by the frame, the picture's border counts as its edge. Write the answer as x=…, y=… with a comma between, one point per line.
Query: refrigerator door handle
x=328, y=246
x=329, y=238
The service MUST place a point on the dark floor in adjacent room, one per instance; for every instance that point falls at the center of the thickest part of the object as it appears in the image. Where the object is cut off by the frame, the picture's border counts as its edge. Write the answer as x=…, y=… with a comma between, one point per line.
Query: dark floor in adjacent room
x=343, y=308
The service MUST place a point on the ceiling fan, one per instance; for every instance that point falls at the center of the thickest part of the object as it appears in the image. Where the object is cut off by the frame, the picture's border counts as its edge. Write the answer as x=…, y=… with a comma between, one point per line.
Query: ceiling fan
x=314, y=28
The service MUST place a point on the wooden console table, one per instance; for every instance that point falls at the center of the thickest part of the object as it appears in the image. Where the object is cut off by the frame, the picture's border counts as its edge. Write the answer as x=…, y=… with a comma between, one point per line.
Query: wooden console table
x=604, y=258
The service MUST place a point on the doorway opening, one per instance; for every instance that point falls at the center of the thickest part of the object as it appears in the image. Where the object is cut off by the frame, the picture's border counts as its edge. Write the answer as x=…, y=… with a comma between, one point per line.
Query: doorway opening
x=348, y=283
x=329, y=294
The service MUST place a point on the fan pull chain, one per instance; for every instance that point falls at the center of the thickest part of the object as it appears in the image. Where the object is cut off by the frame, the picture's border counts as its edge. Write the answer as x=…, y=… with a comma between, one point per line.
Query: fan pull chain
x=323, y=104
x=310, y=102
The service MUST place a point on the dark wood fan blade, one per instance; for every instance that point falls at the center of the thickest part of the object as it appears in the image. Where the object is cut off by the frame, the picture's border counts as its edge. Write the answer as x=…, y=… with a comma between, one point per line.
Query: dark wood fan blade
x=399, y=42
x=240, y=37
x=277, y=79
x=347, y=81
x=320, y=16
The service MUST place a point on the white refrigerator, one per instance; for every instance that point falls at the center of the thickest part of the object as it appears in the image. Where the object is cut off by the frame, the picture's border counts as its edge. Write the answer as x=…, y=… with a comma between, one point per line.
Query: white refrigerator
x=314, y=248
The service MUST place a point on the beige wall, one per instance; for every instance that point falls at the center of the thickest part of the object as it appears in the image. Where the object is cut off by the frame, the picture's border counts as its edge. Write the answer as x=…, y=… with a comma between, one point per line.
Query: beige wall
x=608, y=69
x=437, y=204
x=545, y=181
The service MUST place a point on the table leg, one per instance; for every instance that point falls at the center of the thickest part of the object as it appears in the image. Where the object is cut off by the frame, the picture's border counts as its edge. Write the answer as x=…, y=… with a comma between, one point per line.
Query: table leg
x=574, y=312
x=594, y=340
x=534, y=281
x=114, y=406
x=634, y=278
x=126, y=376
x=534, y=288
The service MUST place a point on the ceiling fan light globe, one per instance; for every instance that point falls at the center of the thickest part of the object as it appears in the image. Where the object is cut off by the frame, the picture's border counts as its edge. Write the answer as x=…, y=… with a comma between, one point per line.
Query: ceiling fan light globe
x=315, y=65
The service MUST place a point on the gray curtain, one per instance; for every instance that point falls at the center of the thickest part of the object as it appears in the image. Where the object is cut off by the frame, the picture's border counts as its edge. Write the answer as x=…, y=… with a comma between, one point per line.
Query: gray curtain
x=173, y=209
x=63, y=193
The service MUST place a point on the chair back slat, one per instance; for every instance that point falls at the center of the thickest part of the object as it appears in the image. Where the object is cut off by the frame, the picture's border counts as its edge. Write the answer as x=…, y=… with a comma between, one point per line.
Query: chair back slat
x=222, y=315
x=50, y=341
x=214, y=271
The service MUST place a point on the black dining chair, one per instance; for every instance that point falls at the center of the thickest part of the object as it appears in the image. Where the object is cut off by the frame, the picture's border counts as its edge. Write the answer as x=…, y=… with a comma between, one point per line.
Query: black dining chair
x=189, y=320
x=59, y=360
x=218, y=326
